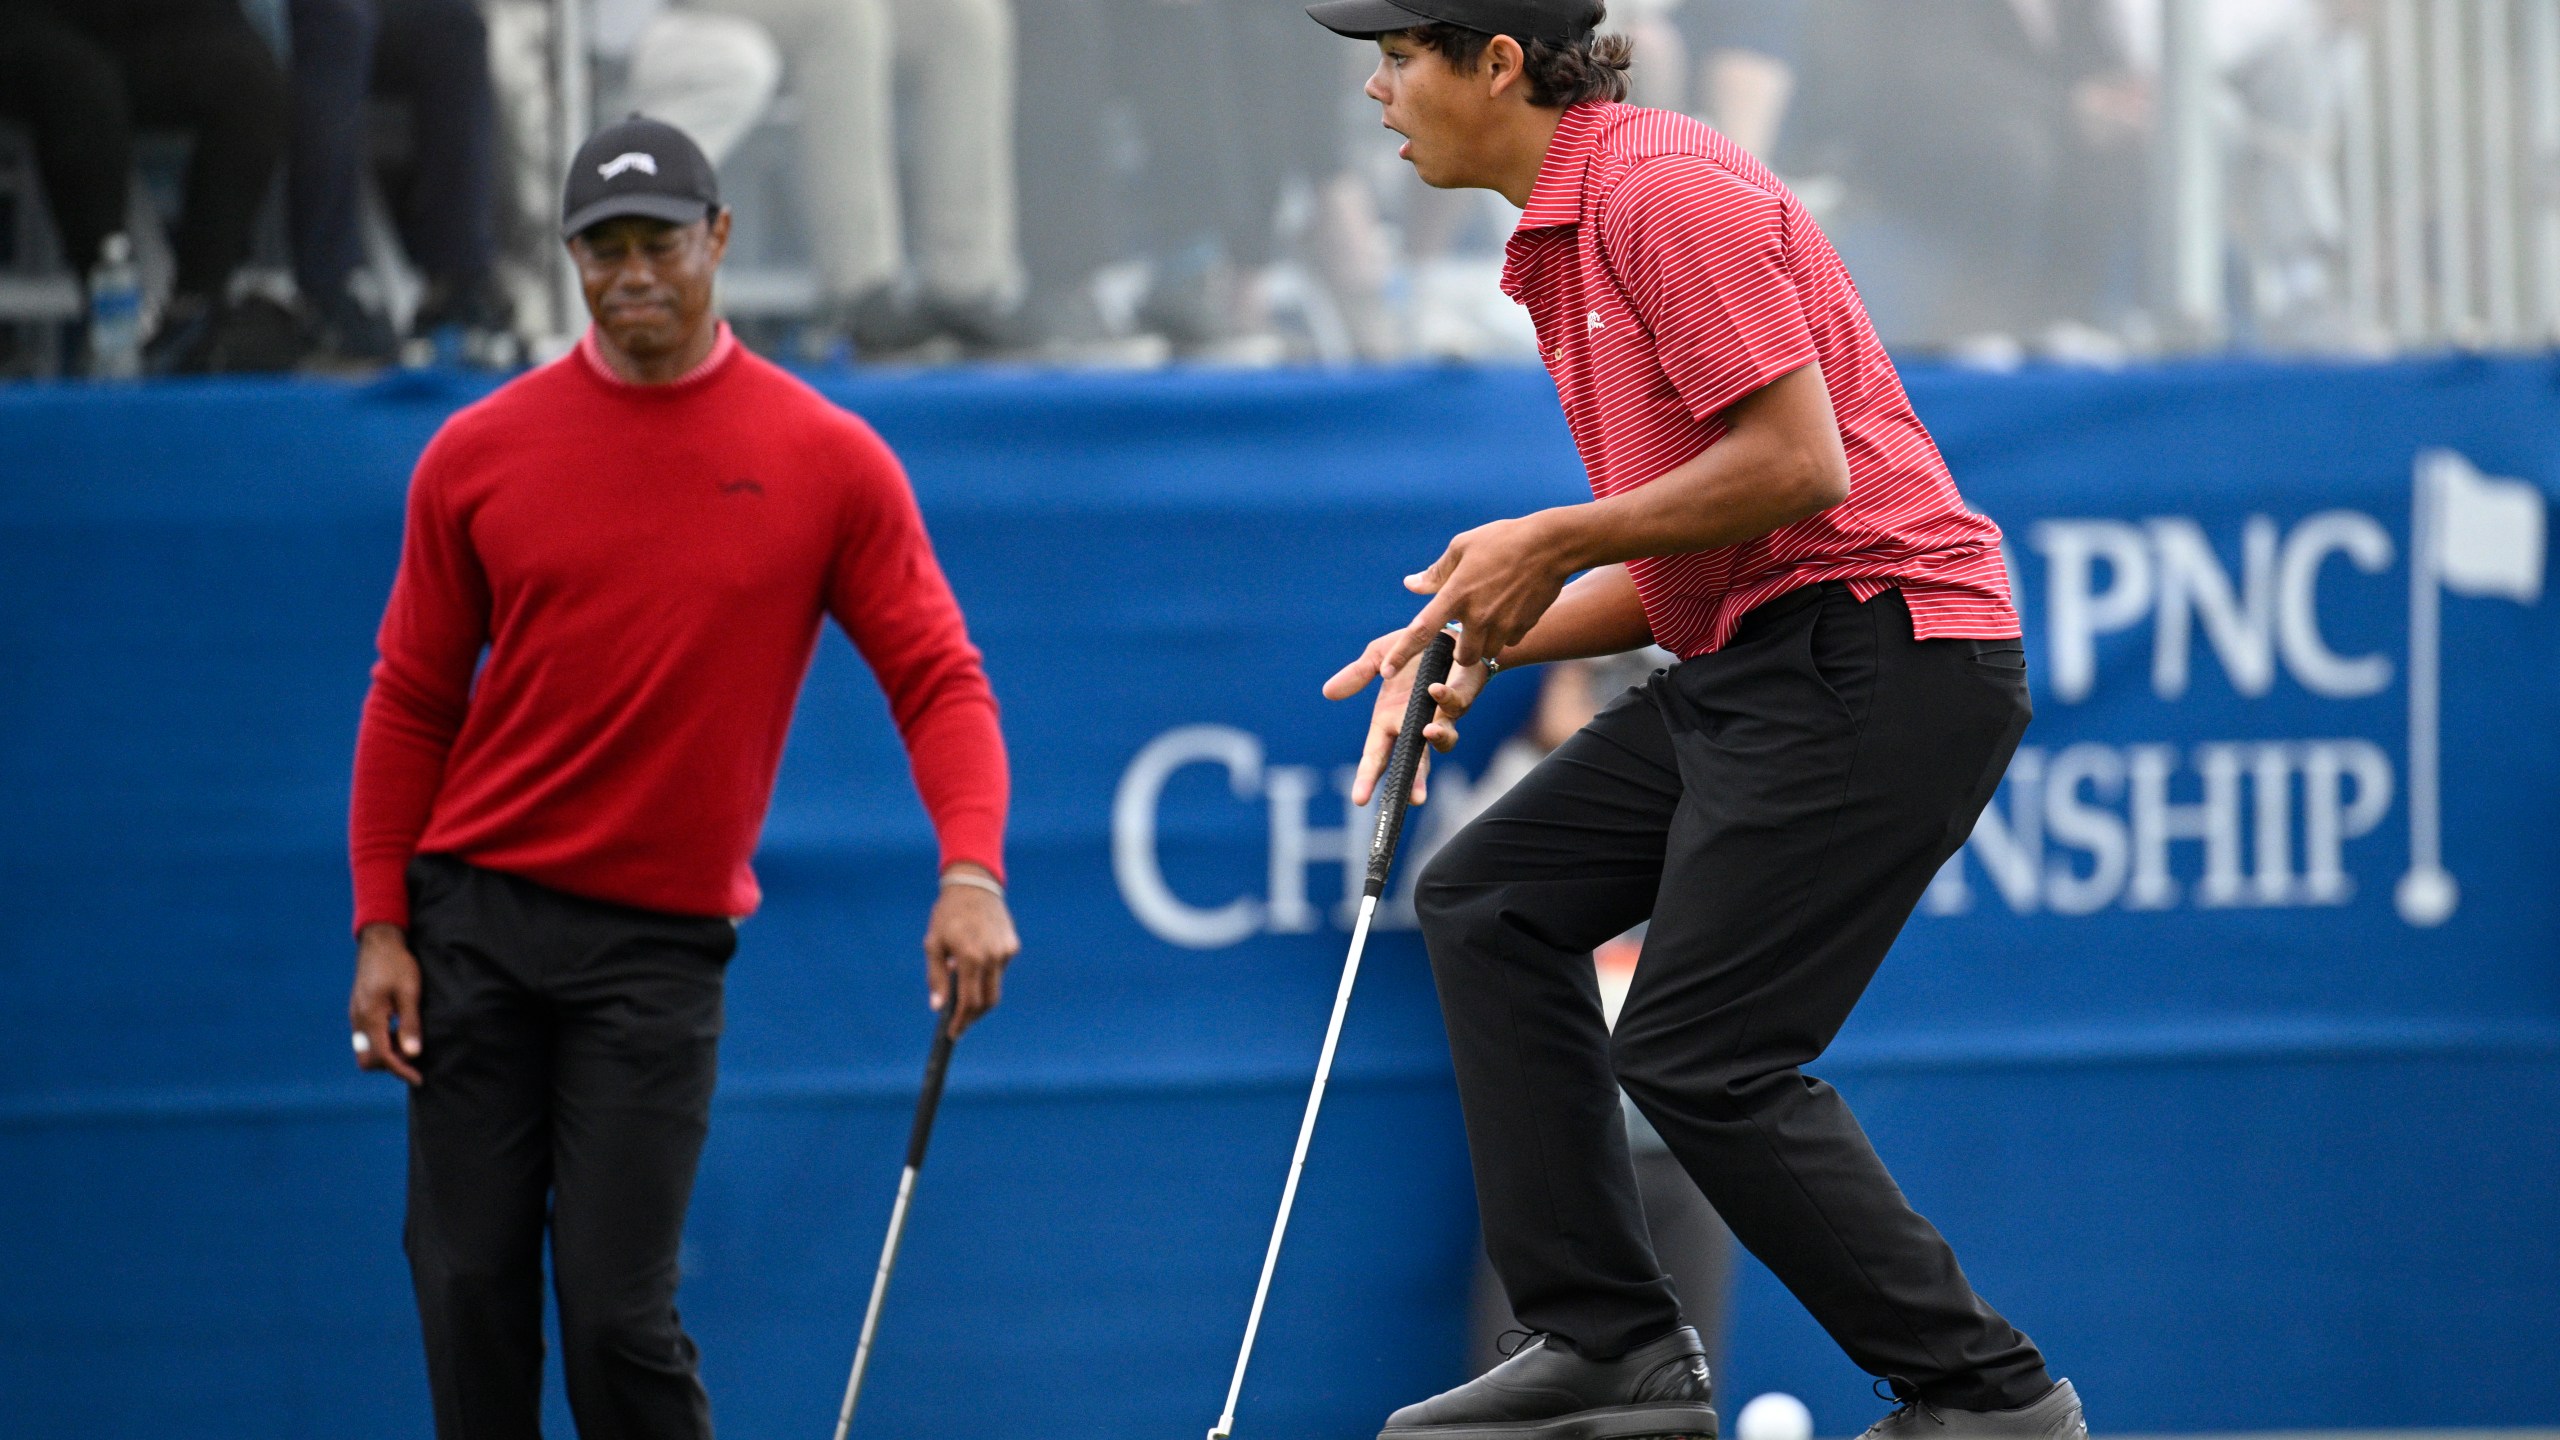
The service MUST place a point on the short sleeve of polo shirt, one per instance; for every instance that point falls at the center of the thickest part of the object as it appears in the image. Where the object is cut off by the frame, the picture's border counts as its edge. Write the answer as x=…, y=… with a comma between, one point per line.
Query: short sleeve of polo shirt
x=1701, y=253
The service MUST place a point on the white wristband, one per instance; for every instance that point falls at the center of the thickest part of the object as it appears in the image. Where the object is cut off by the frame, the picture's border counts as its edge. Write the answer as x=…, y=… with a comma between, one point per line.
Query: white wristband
x=973, y=879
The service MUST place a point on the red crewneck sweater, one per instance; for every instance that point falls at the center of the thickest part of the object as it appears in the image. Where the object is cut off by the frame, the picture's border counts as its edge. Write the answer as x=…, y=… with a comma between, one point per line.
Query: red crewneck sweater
x=646, y=568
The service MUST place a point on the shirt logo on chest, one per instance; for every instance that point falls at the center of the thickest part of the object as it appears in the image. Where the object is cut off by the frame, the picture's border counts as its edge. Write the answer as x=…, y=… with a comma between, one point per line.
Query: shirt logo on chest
x=1592, y=324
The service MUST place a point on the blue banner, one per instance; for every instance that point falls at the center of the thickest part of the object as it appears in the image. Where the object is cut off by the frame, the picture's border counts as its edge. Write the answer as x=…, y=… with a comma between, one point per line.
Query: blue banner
x=2226, y=1052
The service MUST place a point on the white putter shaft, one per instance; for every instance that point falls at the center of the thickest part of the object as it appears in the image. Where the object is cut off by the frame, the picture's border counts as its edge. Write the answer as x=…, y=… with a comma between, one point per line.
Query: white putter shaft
x=879, y=1293
x=937, y=1065
x=1297, y=1164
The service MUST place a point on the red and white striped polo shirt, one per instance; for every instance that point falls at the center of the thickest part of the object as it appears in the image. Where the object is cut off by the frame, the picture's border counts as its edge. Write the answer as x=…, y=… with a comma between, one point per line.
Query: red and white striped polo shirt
x=1670, y=275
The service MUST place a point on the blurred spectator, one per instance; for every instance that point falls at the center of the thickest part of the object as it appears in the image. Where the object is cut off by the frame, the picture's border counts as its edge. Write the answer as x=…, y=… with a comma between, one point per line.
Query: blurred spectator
x=1134, y=134
x=1226, y=113
x=433, y=56
x=711, y=76
x=1314, y=253
x=2284, y=63
x=961, y=276
x=2284, y=74
x=1747, y=55
x=1076, y=137
x=85, y=74
x=1657, y=79
x=1993, y=153
x=1193, y=151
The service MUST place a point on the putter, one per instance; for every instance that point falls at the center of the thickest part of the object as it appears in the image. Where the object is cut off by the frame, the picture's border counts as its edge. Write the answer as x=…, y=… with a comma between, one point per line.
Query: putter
x=936, y=1065
x=1395, y=794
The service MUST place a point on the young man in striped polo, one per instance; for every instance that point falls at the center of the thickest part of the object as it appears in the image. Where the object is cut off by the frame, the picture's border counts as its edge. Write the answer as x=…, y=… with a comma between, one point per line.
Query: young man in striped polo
x=1851, y=686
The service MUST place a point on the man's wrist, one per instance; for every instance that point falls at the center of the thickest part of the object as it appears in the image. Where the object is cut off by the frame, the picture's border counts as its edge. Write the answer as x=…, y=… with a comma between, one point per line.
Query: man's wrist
x=1565, y=535
x=970, y=875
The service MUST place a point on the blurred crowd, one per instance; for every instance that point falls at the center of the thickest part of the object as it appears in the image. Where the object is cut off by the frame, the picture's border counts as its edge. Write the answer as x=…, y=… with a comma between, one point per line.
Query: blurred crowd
x=334, y=184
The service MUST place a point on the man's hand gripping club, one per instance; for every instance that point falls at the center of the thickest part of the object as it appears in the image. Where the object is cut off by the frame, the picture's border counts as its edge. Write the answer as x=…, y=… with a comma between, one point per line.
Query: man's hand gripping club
x=967, y=944
x=1494, y=583
x=1780, y=460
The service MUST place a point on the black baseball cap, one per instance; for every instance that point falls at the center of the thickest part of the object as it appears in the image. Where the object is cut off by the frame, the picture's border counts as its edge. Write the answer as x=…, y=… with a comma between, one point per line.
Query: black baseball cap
x=1556, y=20
x=640, y=167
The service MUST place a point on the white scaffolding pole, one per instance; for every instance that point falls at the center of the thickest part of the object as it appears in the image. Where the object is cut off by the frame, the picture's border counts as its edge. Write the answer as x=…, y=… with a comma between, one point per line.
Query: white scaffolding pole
x=569, y=125
x=2542, y=159
x=2404, y=106
x=2360, y=158
x=2187, y=160
x=2450, y=121
x=2493, y=65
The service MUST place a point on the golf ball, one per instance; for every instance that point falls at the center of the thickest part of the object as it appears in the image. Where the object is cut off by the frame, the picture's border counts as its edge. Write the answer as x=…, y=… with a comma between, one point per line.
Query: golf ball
x=1774, y=1417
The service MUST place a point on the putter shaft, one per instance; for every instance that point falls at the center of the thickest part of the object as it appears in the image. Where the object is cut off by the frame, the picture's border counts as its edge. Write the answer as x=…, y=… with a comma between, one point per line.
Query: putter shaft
x=1395, y=791
x=879, y=1294
x=936, y=1066
x=1297, y=1165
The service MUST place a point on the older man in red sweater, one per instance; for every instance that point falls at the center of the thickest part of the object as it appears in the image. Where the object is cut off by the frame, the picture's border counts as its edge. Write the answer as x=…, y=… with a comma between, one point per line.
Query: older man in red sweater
x=614, y=577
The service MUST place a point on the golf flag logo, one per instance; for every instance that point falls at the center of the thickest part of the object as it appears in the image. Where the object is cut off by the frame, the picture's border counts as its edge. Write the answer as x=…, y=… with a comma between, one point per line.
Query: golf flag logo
x=2473, y=535
x=2487, y=532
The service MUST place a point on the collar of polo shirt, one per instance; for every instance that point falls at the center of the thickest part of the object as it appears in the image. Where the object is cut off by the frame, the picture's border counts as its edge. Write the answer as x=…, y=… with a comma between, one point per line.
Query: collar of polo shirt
x=1556, y=197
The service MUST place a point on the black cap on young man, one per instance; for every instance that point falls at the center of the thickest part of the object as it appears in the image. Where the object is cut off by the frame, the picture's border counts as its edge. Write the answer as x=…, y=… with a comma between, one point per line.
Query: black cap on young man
x=638, y=167
x=1562, y=21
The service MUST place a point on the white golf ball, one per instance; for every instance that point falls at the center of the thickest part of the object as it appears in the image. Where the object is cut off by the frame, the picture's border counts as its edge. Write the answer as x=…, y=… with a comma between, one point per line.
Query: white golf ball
x=1774, y=1417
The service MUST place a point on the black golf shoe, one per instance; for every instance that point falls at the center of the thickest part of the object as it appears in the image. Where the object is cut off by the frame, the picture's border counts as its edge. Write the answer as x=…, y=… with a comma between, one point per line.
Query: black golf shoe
x=2053, y=1416
x=1547, y=1392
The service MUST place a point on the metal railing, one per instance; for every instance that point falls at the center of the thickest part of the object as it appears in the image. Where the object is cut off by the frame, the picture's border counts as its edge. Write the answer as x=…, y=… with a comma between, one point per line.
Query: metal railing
x=2446, y=157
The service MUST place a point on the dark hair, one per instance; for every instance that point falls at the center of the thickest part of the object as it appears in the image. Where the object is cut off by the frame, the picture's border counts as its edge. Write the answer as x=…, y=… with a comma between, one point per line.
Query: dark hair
x=1561, y=72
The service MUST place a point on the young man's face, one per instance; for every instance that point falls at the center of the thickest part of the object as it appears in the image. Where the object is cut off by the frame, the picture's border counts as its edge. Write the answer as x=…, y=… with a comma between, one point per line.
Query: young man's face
x=1440, y=111
x=647, y=282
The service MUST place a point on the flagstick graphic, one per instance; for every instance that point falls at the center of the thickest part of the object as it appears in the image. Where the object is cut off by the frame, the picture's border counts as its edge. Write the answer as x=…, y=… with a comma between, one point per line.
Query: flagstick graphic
x=2427, y=893
x=2474, y=535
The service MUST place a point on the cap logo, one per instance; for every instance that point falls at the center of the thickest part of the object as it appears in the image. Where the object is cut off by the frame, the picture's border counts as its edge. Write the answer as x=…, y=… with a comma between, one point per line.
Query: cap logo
x=628, y=160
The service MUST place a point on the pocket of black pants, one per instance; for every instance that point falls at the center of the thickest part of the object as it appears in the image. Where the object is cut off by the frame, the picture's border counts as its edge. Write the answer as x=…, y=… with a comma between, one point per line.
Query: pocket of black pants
x=2007, y=656
x=1841, y=643
x=2002, y=664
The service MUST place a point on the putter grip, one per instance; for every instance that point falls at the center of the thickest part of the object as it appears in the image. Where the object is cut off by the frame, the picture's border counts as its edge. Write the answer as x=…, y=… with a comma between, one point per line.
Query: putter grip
x=1396, y=786
x=936, y=1065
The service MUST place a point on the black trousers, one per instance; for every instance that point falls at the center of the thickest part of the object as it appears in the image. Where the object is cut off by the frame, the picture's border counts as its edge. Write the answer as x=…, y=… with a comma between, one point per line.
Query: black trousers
x=571, y=1048
x=1775, y=808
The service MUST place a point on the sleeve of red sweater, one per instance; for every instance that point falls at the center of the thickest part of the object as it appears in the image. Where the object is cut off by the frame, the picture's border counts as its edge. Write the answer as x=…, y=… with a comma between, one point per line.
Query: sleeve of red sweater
x=889, y=594
x=432, y=634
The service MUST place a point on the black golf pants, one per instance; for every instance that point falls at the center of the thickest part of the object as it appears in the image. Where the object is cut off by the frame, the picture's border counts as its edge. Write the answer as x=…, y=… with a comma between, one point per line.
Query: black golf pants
x=570, y=1055
x=1774, y=808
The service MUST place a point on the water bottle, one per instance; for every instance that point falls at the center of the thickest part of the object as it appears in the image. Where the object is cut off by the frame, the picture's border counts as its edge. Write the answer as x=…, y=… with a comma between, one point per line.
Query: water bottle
x=115, y=312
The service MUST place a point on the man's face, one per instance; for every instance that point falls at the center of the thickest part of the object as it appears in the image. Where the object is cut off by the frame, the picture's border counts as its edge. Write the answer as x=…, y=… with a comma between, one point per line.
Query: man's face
x=648, y=282
x=1438, y=110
